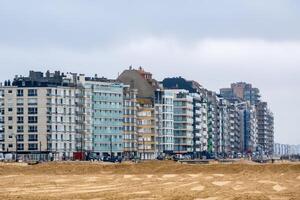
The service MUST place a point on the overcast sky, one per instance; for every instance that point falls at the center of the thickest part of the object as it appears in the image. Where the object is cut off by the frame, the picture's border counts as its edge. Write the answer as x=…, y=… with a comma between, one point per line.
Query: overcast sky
x=212, y=42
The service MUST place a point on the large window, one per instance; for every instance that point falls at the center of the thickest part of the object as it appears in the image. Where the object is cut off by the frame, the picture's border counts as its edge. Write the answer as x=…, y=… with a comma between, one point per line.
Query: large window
x=20, y=93
x=20, y=120
x=32, y=129
x=32, y=92
x=20, y=129
x=20, y=138
x=20, y=102
x=32, y=137
x=32, y=147
x=20, y=111
x=20, y=147
x=32, y=119
x=32, y=102
x=32, y=110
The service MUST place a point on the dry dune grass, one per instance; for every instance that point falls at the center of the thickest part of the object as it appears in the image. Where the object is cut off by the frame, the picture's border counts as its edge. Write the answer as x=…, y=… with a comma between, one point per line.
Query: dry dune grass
x=149, y=180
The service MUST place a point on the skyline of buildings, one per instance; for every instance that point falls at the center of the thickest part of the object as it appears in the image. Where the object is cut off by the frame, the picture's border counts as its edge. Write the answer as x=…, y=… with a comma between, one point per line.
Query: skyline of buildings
x=133, y=115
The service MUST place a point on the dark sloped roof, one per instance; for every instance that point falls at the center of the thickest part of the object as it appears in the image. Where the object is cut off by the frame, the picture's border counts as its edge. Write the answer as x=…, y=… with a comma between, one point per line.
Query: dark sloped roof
x=136, y=81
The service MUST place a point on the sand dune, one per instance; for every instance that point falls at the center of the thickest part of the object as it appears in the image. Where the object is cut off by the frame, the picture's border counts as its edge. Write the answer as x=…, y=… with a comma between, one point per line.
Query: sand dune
x=149, y=180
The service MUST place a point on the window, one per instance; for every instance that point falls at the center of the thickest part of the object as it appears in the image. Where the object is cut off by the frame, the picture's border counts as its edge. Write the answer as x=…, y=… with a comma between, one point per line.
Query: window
x=32, y=92
x=20, y=129
x=9, y=91
x=20, y=120
x=49, y=128
x=48, y=92
x=49, y=110
x=32, y=110
x=32, y=129
x=20, y=147
x=49, y=119
x=10, y=109
x=10, y=145
x=32, y=101
x=10, y=127
x=20, y=102
x=20, y=111
x=32, y=137
x=10, y=118
x=49, y=137
x=32, y=147
x=20, y=138
x=20, y=93
x=32, y=119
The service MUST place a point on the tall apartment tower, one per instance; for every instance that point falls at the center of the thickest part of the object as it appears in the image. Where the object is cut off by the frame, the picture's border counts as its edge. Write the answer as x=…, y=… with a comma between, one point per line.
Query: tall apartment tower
x=230, y=137
x=248, y=119
x=164, y=111
x=265, y=127
x=145, y=85
x=146, y=129
x=130, y=139
x=39, y=116
x=103, y=109
x=200, y=108
x=2, y=111
x=243, y=91
x=200, y=134
x=257, y=119
x=183, y=122
x=213, y=123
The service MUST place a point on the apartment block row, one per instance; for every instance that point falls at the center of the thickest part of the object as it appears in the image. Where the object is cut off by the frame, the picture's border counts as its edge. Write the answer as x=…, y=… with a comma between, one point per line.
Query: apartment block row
x=61, y=116
x=286, y=149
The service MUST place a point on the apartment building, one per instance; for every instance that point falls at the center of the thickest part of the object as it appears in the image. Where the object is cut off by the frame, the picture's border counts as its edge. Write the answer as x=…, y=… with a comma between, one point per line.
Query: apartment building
x=130, y=137
x=106, y=103
x=183, y=122
x=2, y=111
x=265, y=129
x=200, y=134
x=231, y=128
x=243, y=91
x=200, y=107
x=145, y=85
x=164, y=114
x=248, y=127
x=39, y=117
x=213, y=123
x=146, y=130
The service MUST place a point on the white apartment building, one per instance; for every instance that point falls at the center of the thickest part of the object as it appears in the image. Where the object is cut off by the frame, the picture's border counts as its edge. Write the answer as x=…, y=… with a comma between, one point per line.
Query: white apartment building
x=39, y=120
x=164, y=114
x=183, y=122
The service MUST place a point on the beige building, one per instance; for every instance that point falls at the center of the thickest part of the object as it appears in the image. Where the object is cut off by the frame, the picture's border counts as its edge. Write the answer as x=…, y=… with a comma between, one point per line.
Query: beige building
x=39, y=120
x=130, y=138
x=38, y=117
x=146, y=129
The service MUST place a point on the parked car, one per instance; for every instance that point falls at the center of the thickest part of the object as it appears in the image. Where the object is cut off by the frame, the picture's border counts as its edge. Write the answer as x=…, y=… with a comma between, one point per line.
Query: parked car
x=1, y=157
x=113, y=159
x=160, y=157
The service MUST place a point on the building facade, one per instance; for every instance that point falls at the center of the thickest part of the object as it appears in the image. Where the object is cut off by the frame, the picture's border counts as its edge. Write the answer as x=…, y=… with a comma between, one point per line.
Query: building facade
x=164, y=111
x=183, y=122
x=130, y=139
x=265, y=128
x=146, y=130
x=39, y=117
